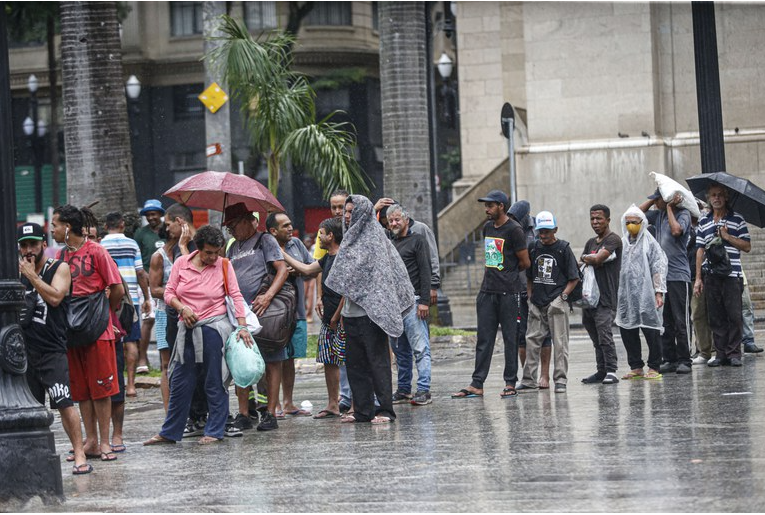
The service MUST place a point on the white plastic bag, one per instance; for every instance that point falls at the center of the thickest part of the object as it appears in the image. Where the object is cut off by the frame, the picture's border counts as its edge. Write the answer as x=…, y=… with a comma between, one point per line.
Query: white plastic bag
x=590, y=290
x=253, y=324
x=668, y=188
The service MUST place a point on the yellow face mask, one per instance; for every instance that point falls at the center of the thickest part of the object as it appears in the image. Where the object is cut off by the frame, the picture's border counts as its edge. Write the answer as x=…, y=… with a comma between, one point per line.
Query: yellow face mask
x=633, y=228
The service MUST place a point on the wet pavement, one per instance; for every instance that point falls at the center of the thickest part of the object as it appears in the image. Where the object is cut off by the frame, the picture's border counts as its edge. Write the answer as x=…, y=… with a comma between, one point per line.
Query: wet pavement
x=685, y=443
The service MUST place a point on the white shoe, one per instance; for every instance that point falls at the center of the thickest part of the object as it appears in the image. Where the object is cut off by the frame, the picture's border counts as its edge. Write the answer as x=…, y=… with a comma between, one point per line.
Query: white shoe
x=711, y=359
x=699, y=360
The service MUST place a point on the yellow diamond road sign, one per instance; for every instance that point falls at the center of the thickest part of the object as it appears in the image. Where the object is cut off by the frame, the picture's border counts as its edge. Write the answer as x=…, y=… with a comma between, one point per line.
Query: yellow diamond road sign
x=213, y=97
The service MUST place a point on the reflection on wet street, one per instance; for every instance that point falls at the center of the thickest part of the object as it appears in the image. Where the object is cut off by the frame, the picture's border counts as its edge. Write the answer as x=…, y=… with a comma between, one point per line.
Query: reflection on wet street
x=684, y=443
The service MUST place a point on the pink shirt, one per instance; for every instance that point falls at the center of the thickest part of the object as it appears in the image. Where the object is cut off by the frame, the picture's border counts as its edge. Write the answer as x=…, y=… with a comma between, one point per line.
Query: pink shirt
x=202, y=290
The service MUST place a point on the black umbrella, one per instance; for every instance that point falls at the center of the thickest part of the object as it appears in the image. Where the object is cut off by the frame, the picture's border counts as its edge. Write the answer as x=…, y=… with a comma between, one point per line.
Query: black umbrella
x=746, y=198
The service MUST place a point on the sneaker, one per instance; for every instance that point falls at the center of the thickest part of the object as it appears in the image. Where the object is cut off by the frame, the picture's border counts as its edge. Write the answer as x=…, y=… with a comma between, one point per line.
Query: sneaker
x=232, y=431
x=682, y=368
x=242, y=422
x=597, y=377
x=667, y=367
x=752, y=348
x=714, y=362
x=194, y=428
x=735, y=362
x=401, y=398
x=699, y=360
x=268, y=422
x=610, y=378
x=560, y=388
x=421, y=398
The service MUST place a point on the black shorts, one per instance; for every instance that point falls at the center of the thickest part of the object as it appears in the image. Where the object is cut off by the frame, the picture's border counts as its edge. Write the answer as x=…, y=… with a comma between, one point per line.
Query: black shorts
x=49, y=371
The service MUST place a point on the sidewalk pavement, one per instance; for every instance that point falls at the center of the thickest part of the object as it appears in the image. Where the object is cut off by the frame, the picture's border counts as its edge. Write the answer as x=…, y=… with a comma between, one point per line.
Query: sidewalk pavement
x=685, y=443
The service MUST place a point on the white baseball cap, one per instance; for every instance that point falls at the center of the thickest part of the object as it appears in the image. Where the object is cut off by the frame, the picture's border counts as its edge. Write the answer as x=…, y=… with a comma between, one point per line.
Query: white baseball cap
x=545, y=220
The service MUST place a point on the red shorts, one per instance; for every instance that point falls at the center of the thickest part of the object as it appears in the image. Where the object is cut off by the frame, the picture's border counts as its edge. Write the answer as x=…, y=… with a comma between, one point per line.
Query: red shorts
x=93, y=371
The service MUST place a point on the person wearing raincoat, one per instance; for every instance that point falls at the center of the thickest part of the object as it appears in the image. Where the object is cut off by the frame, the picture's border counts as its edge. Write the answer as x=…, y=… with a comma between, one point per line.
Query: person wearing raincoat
x=642, y=284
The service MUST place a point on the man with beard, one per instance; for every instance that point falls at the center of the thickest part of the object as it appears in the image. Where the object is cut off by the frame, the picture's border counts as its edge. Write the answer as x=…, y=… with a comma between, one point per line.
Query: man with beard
x=44, y=327
x=506, y=256
x=149, y=241
x=415, y=341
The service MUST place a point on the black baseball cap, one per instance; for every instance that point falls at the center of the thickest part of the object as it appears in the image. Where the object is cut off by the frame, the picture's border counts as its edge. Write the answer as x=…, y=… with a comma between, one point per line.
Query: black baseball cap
x=496, y=196
x=656, y=194
x=30, y=231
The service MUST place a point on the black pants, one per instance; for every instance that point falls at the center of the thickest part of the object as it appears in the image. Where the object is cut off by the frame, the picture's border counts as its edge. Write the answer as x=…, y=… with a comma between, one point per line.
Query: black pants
x=367, y=361
x=724, y=309
x=496, y=309
x=631, y=339
x=676, y=342
x=599, y=322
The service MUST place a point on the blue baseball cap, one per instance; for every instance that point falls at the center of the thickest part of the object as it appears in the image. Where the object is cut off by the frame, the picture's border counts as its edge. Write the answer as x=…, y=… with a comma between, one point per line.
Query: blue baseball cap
x=152, y=205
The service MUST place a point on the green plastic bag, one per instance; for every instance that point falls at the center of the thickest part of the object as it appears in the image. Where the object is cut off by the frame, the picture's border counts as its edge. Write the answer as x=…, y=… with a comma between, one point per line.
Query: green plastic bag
x=246, y=365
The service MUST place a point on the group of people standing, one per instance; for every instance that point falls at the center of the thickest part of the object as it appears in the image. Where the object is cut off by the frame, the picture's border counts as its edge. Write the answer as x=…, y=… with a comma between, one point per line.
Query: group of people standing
x=646, y=279
x=377, y=275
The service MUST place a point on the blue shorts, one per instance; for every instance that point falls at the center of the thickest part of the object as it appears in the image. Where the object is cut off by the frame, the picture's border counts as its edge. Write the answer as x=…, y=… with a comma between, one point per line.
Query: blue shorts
x=134, y=334
x=296, y=348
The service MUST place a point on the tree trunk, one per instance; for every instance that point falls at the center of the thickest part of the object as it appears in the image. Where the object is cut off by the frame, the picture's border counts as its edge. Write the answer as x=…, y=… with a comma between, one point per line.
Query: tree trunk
x=403, y=84
x=53, y=127
x=97, y=139
x=218, y=124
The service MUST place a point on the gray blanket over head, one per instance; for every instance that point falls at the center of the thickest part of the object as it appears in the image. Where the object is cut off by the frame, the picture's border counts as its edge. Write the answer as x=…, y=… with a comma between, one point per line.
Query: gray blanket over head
x=369, y=271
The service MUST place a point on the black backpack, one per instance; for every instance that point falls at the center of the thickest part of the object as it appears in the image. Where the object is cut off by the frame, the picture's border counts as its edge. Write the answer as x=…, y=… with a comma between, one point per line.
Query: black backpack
x=126, y=313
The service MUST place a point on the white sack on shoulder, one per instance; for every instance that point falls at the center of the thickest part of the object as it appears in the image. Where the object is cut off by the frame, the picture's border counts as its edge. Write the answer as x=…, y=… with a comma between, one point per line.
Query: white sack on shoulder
x=668, y=188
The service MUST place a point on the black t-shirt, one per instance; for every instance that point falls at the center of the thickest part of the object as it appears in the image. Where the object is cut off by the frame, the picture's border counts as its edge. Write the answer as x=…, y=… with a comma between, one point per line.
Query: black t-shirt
x=48, y=330
x=607, y=274
x=501, y=264
x=329, y=298
x=552, y=267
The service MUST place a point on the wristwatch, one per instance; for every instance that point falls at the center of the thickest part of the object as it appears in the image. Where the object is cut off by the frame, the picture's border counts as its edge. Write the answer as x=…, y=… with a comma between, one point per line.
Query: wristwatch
x=564, y=296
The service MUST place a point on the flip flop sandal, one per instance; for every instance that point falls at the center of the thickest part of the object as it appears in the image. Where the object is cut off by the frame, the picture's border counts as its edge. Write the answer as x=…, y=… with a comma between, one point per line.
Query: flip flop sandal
x=279, y=415
x=632, y=375
x=348, y=419
x=207, y=440
x=77, y=470
x=381, y=420
x=298, y=413
x=326, y=414
x=466, y=394
x=508, y=391
x=108, y=456
x=70, y=457
x=119, y=448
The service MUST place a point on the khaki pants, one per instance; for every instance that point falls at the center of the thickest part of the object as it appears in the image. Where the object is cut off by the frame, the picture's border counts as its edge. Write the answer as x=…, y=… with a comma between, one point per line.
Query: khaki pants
x=552, y=318
x=701, y=325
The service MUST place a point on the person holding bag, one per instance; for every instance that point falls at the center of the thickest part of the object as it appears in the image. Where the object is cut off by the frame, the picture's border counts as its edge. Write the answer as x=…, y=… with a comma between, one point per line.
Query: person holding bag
x=196, y=290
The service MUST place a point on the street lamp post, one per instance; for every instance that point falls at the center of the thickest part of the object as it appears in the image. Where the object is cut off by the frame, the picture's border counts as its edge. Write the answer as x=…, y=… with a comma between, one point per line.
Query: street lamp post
x=30, y=465
x=35, y=129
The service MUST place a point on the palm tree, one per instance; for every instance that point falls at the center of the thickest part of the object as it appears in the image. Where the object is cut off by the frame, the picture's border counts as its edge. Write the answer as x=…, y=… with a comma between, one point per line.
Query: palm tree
x=278, y=106
x=99, y=162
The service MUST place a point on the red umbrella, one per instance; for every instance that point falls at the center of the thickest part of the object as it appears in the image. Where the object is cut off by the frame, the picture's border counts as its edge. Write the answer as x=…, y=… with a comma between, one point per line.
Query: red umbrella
x=218, y=190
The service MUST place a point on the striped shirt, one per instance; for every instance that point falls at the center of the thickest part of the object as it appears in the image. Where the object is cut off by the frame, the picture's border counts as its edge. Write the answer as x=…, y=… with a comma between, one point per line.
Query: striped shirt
x=736, y=225
x=125, y=252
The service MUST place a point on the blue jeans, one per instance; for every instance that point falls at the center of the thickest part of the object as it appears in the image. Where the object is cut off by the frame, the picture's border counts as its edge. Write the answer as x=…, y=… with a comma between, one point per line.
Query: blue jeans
x=747, y=335
x=346, y=397
x=415, y=340
x=184, y=380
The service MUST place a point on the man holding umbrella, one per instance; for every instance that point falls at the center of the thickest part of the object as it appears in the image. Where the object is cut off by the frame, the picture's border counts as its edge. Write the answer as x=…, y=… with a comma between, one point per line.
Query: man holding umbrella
x=723, y=290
